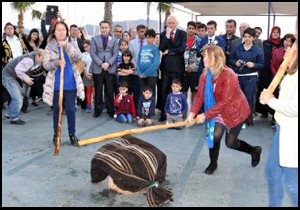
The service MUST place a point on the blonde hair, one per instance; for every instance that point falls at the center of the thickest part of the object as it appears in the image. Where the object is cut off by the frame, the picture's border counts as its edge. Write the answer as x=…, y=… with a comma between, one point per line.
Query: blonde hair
x=217, y=53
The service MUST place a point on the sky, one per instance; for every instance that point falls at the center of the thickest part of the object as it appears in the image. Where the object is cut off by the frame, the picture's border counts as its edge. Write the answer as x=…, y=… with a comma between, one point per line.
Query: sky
x=82, y=13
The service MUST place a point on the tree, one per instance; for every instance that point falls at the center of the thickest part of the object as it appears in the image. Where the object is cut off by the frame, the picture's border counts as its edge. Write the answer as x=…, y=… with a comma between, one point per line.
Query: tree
x=165, y=7
x=22, y=7
x=108, y=12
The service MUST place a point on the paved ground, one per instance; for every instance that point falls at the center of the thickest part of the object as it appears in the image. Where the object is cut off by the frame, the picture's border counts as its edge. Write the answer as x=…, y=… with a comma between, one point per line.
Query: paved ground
x=32, y=176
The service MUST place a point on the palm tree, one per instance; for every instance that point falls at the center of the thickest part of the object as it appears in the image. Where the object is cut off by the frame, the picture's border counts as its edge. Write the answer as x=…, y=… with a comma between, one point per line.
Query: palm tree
x=22, y=7
x=108, y=12
x=165, y=7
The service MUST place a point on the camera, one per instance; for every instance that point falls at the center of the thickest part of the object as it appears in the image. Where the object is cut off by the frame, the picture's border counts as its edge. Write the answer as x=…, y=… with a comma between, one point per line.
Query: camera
x=243, y=64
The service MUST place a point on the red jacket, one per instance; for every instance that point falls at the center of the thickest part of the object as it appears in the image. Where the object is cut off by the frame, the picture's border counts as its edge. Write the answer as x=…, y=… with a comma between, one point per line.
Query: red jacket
x=126, y=105
x=231, y=102
x=277, y=59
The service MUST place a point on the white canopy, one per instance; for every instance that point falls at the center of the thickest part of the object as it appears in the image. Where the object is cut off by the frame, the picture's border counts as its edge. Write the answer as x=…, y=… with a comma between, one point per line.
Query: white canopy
x=241, y=8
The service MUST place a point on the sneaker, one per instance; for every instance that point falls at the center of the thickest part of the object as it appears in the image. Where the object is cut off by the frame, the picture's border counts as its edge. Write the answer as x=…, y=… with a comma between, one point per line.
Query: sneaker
x=88, y=109
x=6, y=116
x=17, y=122
x=244, y=126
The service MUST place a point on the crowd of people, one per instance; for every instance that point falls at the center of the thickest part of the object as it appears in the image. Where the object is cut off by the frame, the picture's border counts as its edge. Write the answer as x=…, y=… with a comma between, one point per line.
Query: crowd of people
x=129, y=74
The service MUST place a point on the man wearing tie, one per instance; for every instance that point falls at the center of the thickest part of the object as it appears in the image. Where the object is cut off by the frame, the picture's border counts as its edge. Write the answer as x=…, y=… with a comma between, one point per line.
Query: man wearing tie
x=172, y=44
x=104, y=51
x=211, y=39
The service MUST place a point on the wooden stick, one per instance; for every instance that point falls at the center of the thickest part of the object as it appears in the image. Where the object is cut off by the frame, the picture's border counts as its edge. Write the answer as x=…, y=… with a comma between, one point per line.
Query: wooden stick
x=282, y=69
x=60, y=101
x=132, y=131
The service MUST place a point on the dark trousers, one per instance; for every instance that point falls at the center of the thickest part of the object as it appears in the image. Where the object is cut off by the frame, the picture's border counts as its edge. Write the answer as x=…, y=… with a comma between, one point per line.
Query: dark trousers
x=108, y=80
x=248, y=85
x=136, y=90
x=159, y=93
x=36, y=90
x=150, y=82
x=166, y=87
x=69, y=101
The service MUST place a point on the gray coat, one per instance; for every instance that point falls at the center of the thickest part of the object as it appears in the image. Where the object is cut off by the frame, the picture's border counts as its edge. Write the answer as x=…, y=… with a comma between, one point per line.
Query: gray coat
x=99, y=55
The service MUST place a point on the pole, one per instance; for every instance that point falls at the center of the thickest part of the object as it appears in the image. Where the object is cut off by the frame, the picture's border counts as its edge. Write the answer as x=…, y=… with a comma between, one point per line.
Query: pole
x=132, y=131
x=60, y=101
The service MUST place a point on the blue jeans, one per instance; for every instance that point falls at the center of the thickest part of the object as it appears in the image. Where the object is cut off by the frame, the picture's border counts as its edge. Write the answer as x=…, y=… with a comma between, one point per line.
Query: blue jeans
x=15, y=92
x=69, y=105
x=124, y=118
x=279, y=176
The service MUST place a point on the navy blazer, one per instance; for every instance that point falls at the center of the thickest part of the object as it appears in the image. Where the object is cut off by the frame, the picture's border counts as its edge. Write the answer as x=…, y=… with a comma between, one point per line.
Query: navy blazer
x=221, y=43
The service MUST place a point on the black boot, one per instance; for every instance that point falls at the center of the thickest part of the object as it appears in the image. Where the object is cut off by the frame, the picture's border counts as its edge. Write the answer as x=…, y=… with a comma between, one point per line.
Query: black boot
x=213, y=155
x=74, y=140
x=253, y=151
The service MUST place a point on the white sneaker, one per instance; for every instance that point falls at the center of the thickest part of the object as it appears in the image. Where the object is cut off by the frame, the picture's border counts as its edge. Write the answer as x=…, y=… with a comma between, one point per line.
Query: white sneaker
x=244, y=126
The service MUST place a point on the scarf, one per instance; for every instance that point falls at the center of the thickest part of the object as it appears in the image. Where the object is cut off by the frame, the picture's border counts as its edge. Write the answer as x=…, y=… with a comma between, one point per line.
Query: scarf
x=209, y=102
x=272, y=40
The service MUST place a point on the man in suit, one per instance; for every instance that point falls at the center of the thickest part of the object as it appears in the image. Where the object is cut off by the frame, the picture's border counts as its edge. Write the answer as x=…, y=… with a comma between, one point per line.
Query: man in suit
x=211, y=39
x=118, y=31
x=74, y=38
x=104, y=51
x=172, y=44
x=78, y=44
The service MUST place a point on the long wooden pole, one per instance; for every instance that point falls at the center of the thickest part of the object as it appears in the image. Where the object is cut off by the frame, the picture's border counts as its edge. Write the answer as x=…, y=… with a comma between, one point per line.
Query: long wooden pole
x=60, y=101
x=132, y=131
x=282, y=69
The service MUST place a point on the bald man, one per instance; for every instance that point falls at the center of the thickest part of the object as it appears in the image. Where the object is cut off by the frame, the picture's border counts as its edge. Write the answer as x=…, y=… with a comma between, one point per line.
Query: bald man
x=172, y=44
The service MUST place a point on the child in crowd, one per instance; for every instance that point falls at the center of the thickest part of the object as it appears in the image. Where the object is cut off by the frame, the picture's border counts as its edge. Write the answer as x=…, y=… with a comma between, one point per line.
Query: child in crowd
x=124, y=105
x=124, y=45
x=148, y=62
x=126, y=70
x=176, y=106
x=88, y=77
x=146, y=107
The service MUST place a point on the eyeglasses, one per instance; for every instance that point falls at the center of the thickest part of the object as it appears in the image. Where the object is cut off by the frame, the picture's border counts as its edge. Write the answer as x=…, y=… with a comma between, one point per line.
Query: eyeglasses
x=119, y=31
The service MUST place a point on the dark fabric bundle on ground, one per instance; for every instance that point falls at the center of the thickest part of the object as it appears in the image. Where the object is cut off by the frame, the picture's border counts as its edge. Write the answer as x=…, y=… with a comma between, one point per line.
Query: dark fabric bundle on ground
x=134, y=165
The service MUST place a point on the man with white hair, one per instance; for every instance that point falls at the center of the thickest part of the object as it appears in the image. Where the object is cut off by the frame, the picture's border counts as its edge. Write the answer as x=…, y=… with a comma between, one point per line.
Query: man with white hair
x=172, y=44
